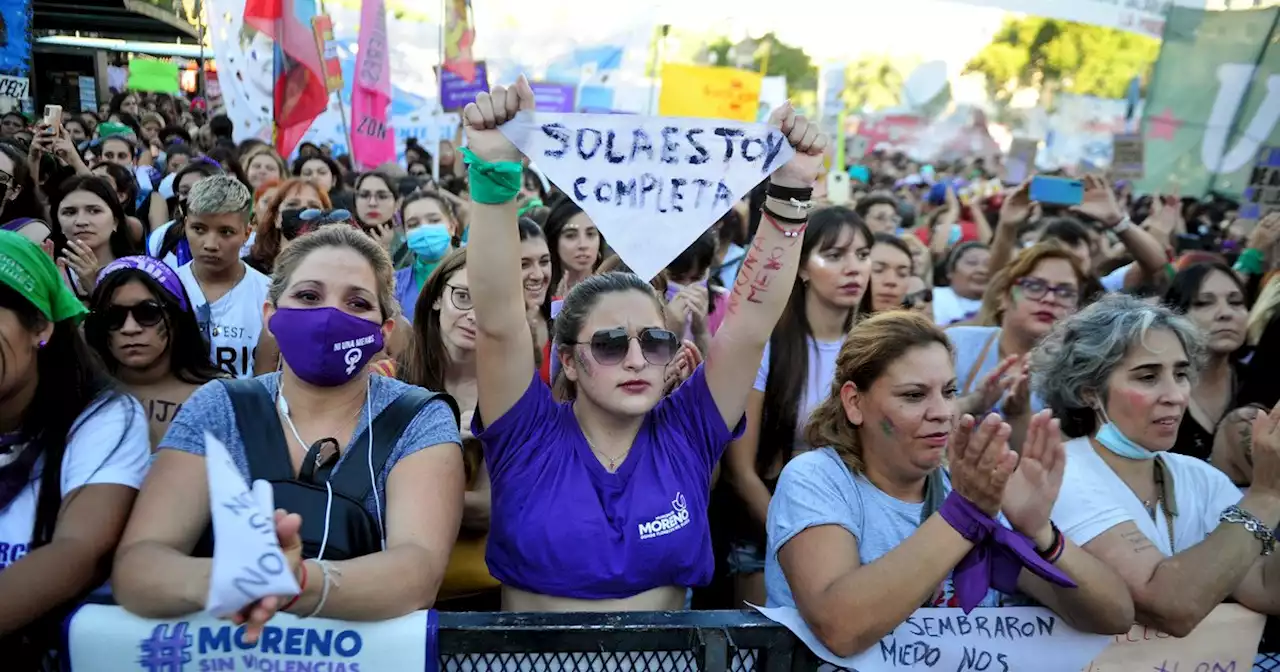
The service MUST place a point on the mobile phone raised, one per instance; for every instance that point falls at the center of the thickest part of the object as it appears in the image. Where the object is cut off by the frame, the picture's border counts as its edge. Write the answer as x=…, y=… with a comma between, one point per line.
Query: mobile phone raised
x=1057, y=190
x=53, y=116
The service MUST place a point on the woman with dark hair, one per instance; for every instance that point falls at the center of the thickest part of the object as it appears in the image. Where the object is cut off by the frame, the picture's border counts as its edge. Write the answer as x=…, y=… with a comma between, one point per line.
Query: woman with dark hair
x=225, y=157
x=272, y=232
x=576, y=246
x=92, y=230
x=74, y=454
x=319, y=170
x=695, y=298
x=1213, y=298
x=967, y=275
x=431, y=231
x=377, y=201
x=535, y=278
x=142, y=326
x=793, y=378
x=21, y=210
x=598, y=471
x=124, y=101
x=891, y=267
x=122, y=180
x=169, y=242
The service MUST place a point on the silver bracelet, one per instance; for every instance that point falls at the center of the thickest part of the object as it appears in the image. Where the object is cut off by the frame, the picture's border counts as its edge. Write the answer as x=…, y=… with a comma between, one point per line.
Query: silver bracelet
x=1122, y=226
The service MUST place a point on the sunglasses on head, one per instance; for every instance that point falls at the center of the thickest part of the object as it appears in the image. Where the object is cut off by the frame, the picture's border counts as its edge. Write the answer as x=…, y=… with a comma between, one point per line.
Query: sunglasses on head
x=147, y=313
x=610, y=346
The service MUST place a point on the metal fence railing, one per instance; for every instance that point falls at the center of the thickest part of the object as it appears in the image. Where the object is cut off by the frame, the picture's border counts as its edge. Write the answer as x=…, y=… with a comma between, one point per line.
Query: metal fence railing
x=685, y=641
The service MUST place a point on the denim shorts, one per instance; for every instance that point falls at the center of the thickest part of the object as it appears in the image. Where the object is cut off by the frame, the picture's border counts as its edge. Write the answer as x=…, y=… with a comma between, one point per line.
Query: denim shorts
x=745, y=557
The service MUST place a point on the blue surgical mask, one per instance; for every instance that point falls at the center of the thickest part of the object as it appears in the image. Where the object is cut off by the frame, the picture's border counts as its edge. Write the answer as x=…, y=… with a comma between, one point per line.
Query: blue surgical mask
x=1115, y=441
x=429, y=241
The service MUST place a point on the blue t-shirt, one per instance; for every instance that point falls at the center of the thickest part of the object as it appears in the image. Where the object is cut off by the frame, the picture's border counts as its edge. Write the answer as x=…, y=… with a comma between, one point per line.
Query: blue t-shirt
x=968, y=343
x=815, y=489
x=209, y=409
x=562, y=525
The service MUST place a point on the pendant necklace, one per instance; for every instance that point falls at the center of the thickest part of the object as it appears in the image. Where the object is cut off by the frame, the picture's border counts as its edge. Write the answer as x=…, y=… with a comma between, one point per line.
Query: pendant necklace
x=613, y=461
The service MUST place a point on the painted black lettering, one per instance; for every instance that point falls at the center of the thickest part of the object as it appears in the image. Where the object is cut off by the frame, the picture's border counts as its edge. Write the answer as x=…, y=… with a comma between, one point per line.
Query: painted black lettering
x=596, y=140
x=1045, y=625
x=772, y=145
x=225, y=358
x=702, y=186
x=916, y=630
x=560, y=134
x=609, y=154
x=980, y=623
x=577, y=191
x=647, y=184
x=661, y=208
x=669, y=147
x=702, y=155
x=945, y=626
x=728, y=134
x=640, y=143
x=722, y=193
x=625, y=190
x=676, y=196
x=602, y=193
x=746, y=146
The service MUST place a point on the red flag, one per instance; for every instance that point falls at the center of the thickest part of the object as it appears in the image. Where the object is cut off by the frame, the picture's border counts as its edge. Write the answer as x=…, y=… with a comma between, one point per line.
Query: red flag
x=300, y=92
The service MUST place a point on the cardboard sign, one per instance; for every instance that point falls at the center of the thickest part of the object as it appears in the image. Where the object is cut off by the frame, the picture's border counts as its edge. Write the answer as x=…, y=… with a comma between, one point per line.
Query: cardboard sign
x=1006, y=638
x=100, y=637
x=1128, y=153
x=1227, y=639
x=652, y=185
x=248, y=564
x=709, y=92
x=1026, y=638
x=1020, y=164
x=1262, y=196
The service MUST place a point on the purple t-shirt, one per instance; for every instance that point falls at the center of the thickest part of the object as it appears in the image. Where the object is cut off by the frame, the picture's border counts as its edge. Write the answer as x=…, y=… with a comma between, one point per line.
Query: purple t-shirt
x=562, y=525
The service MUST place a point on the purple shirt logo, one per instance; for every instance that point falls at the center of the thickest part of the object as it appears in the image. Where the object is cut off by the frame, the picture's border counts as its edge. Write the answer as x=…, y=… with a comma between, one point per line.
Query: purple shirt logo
x=668, y=522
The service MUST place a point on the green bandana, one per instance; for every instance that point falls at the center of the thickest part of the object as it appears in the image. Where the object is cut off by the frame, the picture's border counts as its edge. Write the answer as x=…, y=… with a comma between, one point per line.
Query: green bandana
x=109, y=129
x=30, y=272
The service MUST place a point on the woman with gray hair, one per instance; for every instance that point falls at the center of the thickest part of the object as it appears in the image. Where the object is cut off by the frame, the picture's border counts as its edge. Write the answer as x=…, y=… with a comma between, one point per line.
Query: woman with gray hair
x=1119, y=375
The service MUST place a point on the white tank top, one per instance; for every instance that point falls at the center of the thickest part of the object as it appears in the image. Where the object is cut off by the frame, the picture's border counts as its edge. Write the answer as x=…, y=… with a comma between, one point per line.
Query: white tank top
x=233, y=322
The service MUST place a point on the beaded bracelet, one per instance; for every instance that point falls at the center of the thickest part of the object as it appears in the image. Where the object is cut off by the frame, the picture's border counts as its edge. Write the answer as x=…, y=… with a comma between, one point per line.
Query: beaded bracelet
x=791, y=232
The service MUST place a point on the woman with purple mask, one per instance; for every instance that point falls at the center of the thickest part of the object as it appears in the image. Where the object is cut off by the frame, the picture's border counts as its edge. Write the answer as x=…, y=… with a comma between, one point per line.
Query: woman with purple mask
x=622, y=470
x=331, y=286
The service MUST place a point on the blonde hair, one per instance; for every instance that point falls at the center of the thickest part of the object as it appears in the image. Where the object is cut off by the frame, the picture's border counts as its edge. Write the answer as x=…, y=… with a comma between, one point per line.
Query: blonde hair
x=342, y=236
x=992, y=312
x=870, y=348
x=1263, y=309
x=257, y=150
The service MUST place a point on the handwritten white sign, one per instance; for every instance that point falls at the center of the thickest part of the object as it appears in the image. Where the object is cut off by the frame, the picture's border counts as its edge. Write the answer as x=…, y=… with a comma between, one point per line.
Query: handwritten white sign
x=1225, y=641
x=101, y=637
x=994, y=640
x=248, y=564
x=14, y=87
x=652, y=185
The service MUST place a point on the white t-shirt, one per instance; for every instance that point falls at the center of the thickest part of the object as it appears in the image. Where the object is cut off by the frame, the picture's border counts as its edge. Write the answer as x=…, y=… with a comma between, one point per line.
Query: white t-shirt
x=108, y=444
x=1093, y=500
x=155, y=240
x=949, y=307
x=822, y=369
x=1114, y=281
x=233, y=322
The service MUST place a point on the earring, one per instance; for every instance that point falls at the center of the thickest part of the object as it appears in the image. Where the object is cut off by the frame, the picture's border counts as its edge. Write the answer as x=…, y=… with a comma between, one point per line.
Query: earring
x=42, y=344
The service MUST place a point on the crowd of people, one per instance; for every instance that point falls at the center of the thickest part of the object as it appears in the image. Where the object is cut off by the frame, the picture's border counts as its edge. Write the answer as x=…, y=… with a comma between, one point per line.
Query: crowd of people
x=465, y=401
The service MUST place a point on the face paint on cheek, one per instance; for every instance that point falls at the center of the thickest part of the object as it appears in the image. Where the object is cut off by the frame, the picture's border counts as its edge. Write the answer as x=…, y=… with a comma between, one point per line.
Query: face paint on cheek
x=1015, y=296
x=887, y=428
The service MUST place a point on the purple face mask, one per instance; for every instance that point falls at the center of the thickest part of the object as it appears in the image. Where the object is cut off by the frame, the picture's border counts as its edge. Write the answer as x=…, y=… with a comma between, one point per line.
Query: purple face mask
x=325, y=346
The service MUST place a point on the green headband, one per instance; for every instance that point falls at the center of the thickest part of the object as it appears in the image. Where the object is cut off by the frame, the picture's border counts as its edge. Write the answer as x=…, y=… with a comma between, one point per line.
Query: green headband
x=30, y=272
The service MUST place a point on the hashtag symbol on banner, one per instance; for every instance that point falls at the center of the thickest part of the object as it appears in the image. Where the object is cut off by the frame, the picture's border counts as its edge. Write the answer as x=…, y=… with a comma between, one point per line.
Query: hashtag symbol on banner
x=167, y=650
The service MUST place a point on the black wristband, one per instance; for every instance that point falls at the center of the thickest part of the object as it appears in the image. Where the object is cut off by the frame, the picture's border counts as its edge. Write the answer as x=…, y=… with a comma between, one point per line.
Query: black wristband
x=789, y=193
x=785, y=220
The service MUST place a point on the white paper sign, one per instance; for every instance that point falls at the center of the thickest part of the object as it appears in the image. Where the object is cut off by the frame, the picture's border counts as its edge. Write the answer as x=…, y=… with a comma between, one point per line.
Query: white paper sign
x=986, y=640
x=13, y=87
x=652, y=185
x=248, y=564
x=103, y=638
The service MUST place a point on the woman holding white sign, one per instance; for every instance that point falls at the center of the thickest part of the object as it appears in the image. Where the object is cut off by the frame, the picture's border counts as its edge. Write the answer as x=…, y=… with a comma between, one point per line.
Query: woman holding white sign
x=622, y=473
x=869, y=528
x=1120, y=375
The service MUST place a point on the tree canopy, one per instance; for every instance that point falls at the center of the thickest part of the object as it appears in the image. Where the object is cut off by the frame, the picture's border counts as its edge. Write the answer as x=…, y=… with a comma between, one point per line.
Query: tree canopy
x=1054, y=55
x=774, y=55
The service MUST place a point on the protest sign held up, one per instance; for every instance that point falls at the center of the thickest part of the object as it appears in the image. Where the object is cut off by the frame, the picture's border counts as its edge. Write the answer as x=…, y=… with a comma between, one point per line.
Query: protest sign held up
x=248, y=564
x=652, y=185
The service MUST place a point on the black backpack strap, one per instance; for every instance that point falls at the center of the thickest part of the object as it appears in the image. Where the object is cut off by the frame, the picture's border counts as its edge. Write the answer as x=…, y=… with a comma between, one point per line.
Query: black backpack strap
x=353, y=480
x=264, y=444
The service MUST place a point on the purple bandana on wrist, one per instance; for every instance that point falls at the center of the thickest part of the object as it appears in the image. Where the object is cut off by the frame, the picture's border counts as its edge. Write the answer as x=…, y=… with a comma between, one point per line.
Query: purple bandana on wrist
x=158, y=270
x=998, y=554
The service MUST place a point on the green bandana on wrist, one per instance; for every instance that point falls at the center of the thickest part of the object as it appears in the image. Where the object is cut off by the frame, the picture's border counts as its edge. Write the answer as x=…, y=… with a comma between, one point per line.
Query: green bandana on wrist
x=30, y=272
x=493, y=183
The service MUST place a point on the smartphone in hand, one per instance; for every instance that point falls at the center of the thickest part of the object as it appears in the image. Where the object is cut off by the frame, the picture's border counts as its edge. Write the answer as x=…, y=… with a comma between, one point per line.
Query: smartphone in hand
x=52, y=121
x=1056, y=190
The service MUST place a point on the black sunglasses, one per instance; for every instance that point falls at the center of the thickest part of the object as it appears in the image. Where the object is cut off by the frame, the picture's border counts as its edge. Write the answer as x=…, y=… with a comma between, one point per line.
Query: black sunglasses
x=147, y=313
x=610, y=346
